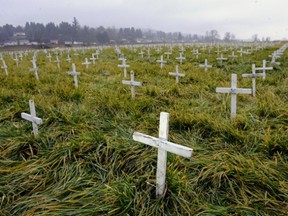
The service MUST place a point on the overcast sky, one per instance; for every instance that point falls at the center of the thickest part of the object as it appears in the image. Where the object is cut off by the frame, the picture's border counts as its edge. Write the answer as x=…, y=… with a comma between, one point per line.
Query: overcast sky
x=267, y=18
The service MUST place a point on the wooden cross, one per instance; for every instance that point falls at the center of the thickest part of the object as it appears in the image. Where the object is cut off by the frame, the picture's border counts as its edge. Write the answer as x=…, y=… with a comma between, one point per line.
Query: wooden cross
x=161, y=61
x=180, y=58
x=58, y=62
x=49, y=56
x=97, y=54
x=35, y=69
x=253, y=75
x=196, y=53
x=86, y=63
x=124, y=66
x=241, y=51
x=32, y=118
x=93, y=59
x=5, y=67
x=68, y=58
x=218, y=51
x=167, y=54
x=205, y=65
x=21, y=55
x=233, y=56
x=176, y=74
x=132, y=83
x=16, y=59
x=141, y=53
x=264, y=68
x=76, y=53
x=234, y=91
x=74, y=73
x=163, y=146
x=273, y=61
x=148, y=54
x=158, y=49
x=221, y=59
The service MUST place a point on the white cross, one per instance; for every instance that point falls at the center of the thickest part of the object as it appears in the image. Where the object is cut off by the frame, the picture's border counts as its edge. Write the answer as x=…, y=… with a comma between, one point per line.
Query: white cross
x=68, y=58
x=16, y=59
x=32, y=117
x=234, y=91
x=74, y=73
x=124, y=66
x=273, y=61
x=163, y=146
x=218, y=51
x=180, y=58
x=93, y=58
x=196, y=53
x=35, y=69
x=158, y=49
x=141, y=53
x=241, y=51
x=5, y=67
x=221, y=59
x=161, y=61
x=133, y=83
x=167, y=54
x=97, y=53
x=49, y=56
x=264, y=68
x=86, y=63
x=58, y=62
x=181, y=49
x=253, y=75
x=21, y=56
x=148, y=53
x=233, y=56
x=205, y=65
x=176, y=74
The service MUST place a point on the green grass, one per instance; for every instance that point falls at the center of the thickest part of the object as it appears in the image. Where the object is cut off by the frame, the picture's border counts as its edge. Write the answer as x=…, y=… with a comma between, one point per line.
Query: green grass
x=84, y=161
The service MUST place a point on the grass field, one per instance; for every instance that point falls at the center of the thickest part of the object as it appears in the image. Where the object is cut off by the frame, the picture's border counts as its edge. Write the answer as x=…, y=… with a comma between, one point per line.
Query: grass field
x=84, y=161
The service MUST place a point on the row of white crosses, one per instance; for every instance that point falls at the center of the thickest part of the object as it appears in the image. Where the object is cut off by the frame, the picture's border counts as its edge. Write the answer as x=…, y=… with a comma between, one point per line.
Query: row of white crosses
x=254, y=75
x=161, y=143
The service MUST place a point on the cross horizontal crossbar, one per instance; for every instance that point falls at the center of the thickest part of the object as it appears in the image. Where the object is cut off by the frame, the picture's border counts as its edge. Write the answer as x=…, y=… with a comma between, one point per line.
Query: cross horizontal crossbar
x=163, y=144
x=31, y=118
x=132, y=83
x=234, y=91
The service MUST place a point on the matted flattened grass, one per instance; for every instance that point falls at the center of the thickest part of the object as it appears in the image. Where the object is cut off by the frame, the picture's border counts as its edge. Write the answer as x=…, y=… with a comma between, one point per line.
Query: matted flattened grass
x=84, y=161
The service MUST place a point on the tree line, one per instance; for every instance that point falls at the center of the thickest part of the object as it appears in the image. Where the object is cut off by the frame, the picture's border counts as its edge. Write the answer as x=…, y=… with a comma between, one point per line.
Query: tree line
x=74, y=32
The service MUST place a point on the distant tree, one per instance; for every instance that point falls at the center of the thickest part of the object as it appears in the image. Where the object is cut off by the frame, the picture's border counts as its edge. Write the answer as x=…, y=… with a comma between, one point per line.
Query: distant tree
x=255, y=38
x=4, y=36
x=51, y=32
x=227, y=37
x=75, y=29
x=138, y=33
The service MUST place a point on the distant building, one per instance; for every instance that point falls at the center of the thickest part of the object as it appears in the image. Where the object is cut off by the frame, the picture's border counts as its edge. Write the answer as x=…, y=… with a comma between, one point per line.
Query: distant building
x=54, y=42
x=20, y=38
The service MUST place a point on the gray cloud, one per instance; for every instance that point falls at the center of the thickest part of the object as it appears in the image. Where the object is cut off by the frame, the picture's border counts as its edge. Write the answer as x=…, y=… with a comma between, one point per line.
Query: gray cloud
x=243, y=18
